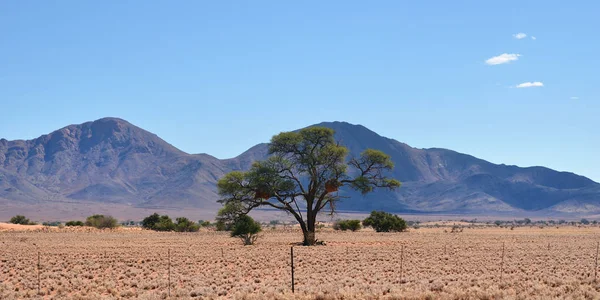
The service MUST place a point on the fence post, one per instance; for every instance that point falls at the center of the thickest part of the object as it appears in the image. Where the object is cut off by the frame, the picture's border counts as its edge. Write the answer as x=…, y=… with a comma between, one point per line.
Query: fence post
x=169, y=256
x=596, y=266
x=292, y=260
x=502, y=262
x=38, y=274
x=401, y=263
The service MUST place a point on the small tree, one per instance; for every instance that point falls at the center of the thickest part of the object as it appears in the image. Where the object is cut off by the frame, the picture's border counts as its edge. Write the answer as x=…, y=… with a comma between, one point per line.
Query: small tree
x=584, y=221
x=74, y=223
x=185, y=225
x=385, y=222
x=21, y=220
x=228, y=214
x=101, y=221
x=165, y=224
x=52, y=224
x=150, y=221
x=246, y=229
x=344, y=225
x=302, y=177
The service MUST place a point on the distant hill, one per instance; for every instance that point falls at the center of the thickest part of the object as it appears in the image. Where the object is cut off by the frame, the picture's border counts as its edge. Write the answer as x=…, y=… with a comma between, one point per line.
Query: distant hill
x=110, y=161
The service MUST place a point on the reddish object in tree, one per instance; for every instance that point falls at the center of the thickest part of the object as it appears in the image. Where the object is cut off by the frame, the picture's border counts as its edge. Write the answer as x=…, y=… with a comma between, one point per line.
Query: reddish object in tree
x=261, y=195
x=331, y=186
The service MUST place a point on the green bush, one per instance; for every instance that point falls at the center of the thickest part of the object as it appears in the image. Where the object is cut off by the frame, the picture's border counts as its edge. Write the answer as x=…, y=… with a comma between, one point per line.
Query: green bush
x=385, y=222
x=584, y=221
x=185, y=225
x=101, y=221
x=53, y=224
x=246, y=229
x=74, y=223
x=344, y=225
x=151, y=221
x=164, y=224
x=205, y=223
x=21, y=220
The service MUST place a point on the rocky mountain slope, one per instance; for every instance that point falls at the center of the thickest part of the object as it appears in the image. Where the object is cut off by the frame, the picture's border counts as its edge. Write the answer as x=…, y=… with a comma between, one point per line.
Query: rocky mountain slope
x=113, y=161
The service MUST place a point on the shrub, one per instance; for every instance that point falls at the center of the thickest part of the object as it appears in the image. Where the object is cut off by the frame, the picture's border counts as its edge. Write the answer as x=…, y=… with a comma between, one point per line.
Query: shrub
x=385, y=222
x=584, y=221
x=74, y=223
x=151, y=221
x=220, y=225
x=54, y=224
x=21, y=220
x=164, y=224
x=246, y=229
x=344, y=225
x=101, y=221
x=185, y=225
x=205, y=223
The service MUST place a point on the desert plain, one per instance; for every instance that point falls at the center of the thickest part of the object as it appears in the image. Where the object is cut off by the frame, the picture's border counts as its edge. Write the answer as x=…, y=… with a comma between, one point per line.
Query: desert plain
x=430, y=262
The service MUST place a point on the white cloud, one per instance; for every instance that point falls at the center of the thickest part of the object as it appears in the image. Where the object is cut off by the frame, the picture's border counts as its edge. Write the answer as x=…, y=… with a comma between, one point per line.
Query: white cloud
x=574, y=98
x=530, y=84
x=533, y=38
x=502, y=59
x=519, y=35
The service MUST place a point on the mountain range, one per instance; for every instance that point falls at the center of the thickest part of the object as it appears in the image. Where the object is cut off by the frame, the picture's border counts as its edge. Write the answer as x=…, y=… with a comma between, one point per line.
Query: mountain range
x=112, y=162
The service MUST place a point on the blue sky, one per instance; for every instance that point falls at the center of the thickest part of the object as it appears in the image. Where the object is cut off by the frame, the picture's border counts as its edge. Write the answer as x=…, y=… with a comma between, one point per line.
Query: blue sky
x=220, y=76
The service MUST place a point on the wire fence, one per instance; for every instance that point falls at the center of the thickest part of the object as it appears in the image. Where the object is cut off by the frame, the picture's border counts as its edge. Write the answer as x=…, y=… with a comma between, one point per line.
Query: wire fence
x=125, y=271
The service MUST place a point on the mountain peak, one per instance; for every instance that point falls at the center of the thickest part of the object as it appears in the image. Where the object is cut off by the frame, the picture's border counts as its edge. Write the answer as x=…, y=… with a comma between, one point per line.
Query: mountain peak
x=112, y=160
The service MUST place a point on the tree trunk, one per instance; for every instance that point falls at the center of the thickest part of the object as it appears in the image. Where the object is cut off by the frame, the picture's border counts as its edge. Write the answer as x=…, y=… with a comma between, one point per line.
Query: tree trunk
x=309, y=234
x=309, y=238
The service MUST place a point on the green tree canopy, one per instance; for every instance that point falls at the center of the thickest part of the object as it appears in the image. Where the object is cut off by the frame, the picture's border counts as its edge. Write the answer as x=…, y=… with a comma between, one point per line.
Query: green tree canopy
x=19, y=219
x=101, y=221
x=150, y=221
x=185, y=225
x=246, y=228
x=385, y=222
x=302, y=175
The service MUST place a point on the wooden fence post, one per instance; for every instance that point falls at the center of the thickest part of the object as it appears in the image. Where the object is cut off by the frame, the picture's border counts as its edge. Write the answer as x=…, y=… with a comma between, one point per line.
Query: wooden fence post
x=169, y=256
x=502, y=262
x=401, y=263
x=596, y=264
x=38, y=274
x=292, y=260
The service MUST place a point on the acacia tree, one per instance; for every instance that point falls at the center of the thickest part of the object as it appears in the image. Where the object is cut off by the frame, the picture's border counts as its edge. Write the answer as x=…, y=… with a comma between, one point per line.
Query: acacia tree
x=302, y=175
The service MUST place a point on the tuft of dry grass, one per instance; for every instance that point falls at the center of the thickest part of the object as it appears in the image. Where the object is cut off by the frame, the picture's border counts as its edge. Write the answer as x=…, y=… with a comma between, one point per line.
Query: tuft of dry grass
x=549, y=263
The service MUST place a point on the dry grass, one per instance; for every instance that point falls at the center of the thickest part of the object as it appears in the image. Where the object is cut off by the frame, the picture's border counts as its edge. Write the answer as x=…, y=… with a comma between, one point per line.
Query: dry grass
x=362, y=265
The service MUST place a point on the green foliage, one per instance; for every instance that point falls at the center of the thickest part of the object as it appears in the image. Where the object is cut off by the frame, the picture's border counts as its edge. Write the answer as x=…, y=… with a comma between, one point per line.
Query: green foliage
x=74, y=223
x=21, y=220
x=227, y=215
x=246, y=228
x=344, y=225
x=164, y=224
x=184, y=225
x=584, y=221
x=150, y=221
x=221, y=226
x=204, y=223
x=385, y=222
x=53, y=224
x=302, y=175
x=101, y=221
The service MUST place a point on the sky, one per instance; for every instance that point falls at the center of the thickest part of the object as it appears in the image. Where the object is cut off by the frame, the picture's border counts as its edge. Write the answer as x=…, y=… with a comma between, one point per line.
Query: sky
x=511, y=82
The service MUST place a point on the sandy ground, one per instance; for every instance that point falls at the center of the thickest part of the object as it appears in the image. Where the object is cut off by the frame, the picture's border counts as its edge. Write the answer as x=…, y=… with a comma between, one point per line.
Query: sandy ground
x=17, y=227
x=425, y=263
